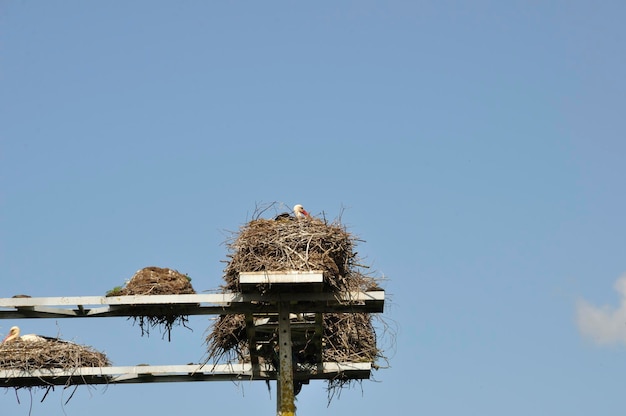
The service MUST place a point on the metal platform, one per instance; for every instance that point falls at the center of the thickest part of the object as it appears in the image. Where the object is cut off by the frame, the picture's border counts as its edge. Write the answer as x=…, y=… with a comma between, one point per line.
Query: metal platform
x=286, y=314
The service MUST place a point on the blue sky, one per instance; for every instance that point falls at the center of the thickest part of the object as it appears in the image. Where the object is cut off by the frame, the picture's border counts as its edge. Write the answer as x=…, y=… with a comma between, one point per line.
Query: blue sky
x=476, y=147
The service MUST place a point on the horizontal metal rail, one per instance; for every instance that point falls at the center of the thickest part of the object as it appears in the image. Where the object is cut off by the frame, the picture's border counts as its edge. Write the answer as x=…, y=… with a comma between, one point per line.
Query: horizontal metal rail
x=174, y=373
x=199, y=304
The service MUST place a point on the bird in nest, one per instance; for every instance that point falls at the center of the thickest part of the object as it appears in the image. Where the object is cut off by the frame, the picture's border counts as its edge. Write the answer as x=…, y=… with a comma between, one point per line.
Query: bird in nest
x=299, y=213
x=14, y=335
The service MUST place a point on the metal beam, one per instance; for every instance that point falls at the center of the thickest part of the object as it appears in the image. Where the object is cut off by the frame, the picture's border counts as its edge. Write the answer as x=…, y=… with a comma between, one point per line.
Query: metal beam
x=172, y=373
x=201, y=304
x=300, y=293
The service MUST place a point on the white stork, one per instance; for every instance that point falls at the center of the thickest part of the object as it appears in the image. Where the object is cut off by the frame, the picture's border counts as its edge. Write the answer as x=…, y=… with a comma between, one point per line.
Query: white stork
x=298, y=210
x=14, y=334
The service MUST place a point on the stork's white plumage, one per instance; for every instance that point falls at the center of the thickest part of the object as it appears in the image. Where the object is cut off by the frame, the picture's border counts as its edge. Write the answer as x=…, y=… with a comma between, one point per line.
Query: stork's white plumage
x=300, y=211
x=14, y=334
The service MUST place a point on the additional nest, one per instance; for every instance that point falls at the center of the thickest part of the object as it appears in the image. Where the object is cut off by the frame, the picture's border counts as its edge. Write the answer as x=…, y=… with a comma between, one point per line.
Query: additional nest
x=26, y=356
x=302, y=245
x=157, y=281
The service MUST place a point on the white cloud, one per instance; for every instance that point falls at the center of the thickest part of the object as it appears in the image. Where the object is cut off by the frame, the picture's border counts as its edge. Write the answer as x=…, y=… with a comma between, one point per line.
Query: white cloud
x=605, y=324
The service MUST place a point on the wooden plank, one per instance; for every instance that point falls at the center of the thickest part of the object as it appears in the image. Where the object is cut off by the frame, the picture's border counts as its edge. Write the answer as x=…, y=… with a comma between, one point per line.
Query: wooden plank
x=252, y=345
x=319, y=334
x=288, y=277
x=285, y=397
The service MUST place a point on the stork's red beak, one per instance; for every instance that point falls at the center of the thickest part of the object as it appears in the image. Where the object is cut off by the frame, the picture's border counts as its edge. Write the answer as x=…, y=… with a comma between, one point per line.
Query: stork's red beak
x=306, y=214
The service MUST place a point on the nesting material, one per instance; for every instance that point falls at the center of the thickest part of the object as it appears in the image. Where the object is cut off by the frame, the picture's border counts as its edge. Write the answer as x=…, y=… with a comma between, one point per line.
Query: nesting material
x=283, y=245
x=29, y=355
x=301, y=245
x=26, y=356
x=157, y=281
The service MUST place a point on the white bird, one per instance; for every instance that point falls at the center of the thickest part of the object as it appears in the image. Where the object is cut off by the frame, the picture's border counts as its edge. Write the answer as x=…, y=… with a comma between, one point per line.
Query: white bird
x=14, y=334
x=297, y=209
x=300, y=211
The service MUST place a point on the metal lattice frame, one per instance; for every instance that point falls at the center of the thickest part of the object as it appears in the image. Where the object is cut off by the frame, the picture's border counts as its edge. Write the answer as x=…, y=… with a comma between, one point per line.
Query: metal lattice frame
x=290, y=293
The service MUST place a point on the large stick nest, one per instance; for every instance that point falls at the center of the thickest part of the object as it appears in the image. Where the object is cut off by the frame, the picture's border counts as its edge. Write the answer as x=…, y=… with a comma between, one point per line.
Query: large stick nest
x=302, y=245
x=26, y=356
x=284, y=245
x=157, y=281
x=30, y=355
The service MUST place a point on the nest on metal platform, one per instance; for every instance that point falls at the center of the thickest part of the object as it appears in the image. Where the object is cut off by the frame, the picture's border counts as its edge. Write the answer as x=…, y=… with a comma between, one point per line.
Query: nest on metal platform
x=302, y=245
x=23, y=357
x=157, y=281
x=284, y=245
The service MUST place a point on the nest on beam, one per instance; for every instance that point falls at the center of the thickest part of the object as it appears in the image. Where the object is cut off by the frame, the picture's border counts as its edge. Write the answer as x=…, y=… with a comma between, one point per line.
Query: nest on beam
x=157, y=281
x=286, y=245
x=302, y=245
x=26, y=356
